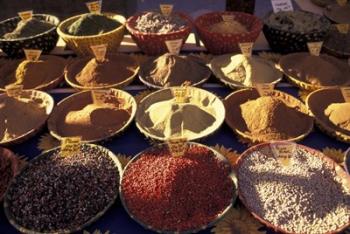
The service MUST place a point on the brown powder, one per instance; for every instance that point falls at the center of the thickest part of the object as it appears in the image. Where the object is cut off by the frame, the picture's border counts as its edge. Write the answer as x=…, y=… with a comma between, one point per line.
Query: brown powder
x=339, y=114
x=270, y=118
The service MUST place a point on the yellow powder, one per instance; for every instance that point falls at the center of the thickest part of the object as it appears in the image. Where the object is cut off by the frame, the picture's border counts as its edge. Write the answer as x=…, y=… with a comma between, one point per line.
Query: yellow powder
x=339, y=114
x=232, y=27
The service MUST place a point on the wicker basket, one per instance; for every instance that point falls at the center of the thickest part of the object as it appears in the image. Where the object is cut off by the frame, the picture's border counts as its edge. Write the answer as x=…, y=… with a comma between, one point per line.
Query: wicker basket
x=81, y=44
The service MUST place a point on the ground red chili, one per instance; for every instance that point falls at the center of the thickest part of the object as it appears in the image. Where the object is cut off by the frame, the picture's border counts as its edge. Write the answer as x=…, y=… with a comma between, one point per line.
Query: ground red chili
x=177, y=193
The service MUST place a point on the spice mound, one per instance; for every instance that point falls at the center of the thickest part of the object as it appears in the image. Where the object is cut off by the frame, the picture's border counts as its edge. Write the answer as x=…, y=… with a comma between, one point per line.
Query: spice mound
x=232, y=27
x=310, y=195
x=177, y=193
x=339, y=114
x=174, y=70
x=28, y=28
x=92, y=24
x=296, y=21
x=19, y=116
x=56, y=193
x=154, y=22
x=244, y=70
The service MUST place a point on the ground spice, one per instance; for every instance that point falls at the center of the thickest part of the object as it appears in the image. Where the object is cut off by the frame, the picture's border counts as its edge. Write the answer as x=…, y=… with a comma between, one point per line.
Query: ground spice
x=20, y=115
x=29, y=28
x=92, y=24
x=173, y=70
x=339, y=114
x=155, y=22
x=177, y=193
x=308, y=196
x=232, y=27
x=55, y=192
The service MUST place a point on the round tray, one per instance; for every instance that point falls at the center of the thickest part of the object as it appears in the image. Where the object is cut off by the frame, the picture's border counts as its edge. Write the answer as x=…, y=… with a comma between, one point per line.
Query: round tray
x=49, y=154
x=219, y=217
x=49, y=103
x=317, y=102
x=69, y=101
x=166, y=94
x=250, y=94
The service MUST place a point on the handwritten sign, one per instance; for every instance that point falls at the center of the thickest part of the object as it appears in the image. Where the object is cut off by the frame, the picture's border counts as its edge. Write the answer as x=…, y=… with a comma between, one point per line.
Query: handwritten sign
x=228, y=18
x=315, y=48
x=98, y=96
x=180, y=94
x=284, y=152
x=99, y=52
x=282, y=5
x=14, y=90
x=32, y=55
x=345, y=91
x=264, y=89
x=177, y=146
x=94, y=6
x=343, y=28
x=166, y=9
x=25, y=15
x=70, y=146
x=174, y=46
x=246, y=48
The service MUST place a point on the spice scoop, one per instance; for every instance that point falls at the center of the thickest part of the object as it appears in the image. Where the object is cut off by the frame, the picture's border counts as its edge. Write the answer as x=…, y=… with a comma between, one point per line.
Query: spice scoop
x=311, y=190
x=94, y=115
x=187, y=112
x=171, y=194
x=58, y=193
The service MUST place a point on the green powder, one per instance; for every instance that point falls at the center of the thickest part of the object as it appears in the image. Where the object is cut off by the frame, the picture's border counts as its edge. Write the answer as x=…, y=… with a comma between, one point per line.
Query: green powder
x=92, y=24
x=28, y=29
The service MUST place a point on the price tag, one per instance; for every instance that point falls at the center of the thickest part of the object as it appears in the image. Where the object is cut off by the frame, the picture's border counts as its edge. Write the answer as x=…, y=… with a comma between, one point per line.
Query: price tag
x=14, y=90
x=166, y=9
x=177, y=146
x=284, y=152
x=345, y=91
x=342, y=2
x=94, y=6
x=25, y=15
x=343, y=28
x=180, y=94
x=99, y=51
x=32, y=55
x=315, y=48
x=264, y=89
x=70, y=146
x=174, y=46
x=282, y=5
x=246, y=48
x=228, y=18
x=98, y=96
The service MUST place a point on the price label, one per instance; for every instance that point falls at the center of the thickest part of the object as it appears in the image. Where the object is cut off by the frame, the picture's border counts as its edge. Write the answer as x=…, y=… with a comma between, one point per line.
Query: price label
x=345, y=91
x=32, y=55
x=246, y=48
x=180, y=94
x=264, y=89
x=14, y=90
x=342, y=2
x=177, y=146
x=25, y=15
x=98, y=96
x=99, y=51
x=94, y=6
x=228, y=18
x=284, y=152
x=174, y=46
x=315, y=48
x=166, y=9
x=343, y=28
x=70, y=146
x=282, y=5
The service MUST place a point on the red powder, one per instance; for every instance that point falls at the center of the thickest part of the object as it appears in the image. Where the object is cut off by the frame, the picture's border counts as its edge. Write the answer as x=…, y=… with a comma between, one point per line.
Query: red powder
x=177, y=193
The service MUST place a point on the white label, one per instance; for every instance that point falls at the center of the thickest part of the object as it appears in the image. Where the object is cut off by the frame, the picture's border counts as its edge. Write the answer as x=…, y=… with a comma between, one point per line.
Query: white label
x=282, y=5
x=166, y=9
x=70, y=146
x=99, y=52
x=315, y=48
x=32, y=55
x=177, y=146
x=345, y=91
x=246, y=48
x=98, y=97
x=264, y=89
x=180, y=94
x=14, y=90
x=94, y=6
x=284, y=152
x=228, y=18
x=25, y=15
x=174, y=46
x=343, y=28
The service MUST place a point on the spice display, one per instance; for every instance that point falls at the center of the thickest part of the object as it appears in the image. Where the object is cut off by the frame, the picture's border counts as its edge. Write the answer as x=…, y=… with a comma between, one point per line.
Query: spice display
x=55, y=193
x=339, y=114
x=35, y=74
x=161, y=117
x=20, y=115
x=337, y=43
x=92, y=24
x=338, y=14
x=174, y=70
x=244, y=71
x=155, y=22
x=311, y=195
x=177, y=193
x=232, y=27
x=28, y=28
x=296, y=21
x=78, y=115
x=320, y=70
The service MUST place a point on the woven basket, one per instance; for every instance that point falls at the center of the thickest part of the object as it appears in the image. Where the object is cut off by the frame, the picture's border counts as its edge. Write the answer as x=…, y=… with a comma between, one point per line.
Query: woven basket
x=81, y=44
x=154, y=43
